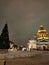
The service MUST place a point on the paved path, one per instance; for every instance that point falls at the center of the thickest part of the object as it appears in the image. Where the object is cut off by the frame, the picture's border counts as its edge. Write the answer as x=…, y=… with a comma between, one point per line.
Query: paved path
x=42, y=59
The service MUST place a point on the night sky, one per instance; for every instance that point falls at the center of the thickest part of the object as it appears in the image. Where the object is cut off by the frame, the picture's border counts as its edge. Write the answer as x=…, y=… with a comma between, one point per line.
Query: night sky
x=23, y=17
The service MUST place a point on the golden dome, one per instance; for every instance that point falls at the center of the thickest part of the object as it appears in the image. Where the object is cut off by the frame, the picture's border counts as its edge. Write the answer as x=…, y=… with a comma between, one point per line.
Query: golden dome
x=42, y=33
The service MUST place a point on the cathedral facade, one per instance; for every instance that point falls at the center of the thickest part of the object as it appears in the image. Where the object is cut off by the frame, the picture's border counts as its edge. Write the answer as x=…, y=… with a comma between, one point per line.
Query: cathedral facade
x=42, y=39
x=41, y=42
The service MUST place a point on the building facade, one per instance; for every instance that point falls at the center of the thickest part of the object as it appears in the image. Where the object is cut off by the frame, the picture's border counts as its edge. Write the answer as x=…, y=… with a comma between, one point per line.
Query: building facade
x=41, y=42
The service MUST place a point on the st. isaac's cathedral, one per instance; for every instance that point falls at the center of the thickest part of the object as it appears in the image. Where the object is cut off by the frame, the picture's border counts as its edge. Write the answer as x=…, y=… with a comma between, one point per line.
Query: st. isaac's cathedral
x=41, y=42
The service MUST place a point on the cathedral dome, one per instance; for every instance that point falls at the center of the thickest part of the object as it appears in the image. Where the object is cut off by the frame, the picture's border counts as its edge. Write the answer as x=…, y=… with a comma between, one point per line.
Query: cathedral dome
x=41, y=29
x=42, y=33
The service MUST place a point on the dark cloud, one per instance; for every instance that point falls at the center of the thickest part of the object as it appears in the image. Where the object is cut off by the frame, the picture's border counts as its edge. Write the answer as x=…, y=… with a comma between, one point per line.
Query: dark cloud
x=24, y=17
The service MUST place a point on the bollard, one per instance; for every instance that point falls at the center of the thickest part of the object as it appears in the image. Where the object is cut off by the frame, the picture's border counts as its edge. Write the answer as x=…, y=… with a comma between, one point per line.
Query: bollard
x=5, y=62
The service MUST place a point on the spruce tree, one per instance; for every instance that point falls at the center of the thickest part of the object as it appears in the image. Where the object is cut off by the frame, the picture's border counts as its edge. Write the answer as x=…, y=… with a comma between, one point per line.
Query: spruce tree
x=4, y=38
